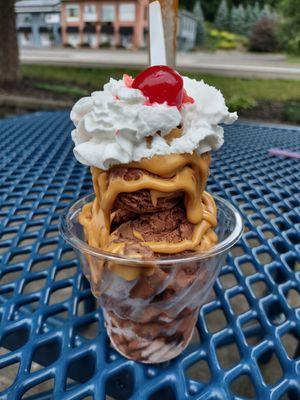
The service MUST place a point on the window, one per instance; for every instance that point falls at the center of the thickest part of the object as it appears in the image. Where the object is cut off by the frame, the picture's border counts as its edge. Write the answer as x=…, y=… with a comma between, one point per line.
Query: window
x=52, y=18
x=27, y=19
x=72, y=12
x=24, y=19
x=90, y=12
x=108, y=13
x=127, y=12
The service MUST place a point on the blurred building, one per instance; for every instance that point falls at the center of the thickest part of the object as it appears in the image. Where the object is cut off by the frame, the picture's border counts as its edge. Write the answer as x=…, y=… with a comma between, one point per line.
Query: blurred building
x=104, y=23
x=38, y=22
x=93, y=23
x=187, y=30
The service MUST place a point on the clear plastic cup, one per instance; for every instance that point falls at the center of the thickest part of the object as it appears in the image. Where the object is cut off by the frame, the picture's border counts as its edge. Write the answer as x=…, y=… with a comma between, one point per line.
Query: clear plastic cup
x=151, y=318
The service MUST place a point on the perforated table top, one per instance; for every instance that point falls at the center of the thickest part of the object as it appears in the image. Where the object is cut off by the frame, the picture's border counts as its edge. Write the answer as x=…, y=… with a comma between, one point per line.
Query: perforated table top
x=52, y=341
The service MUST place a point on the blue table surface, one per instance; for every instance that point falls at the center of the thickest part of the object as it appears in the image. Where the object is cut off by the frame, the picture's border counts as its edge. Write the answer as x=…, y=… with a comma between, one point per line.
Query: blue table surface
x=46, y=304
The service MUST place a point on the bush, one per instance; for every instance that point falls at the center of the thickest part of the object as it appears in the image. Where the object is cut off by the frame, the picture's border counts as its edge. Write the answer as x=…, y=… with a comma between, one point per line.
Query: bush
x=226, y=40
x=237, y=103
x=226, y=45
x=105, y=45
x=264, y=36
x=291, y=111
x=293, y=45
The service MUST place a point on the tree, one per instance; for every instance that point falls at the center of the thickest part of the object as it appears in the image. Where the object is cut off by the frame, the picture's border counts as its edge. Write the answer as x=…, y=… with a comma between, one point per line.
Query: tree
x=210, y=9
x=187, y=4
x=200, y=23
x=9, y=54
x=271, y=3
x=256, y=11
x=249, y=18
x=266, y=12
x=238, y=23
x=290, y=29
x=222, y=16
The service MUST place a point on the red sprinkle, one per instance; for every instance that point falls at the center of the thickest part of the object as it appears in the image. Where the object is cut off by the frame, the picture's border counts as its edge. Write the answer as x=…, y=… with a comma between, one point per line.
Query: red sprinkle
x=128, y=80
x=117, y=97
x=117, y=132
x=186, y=98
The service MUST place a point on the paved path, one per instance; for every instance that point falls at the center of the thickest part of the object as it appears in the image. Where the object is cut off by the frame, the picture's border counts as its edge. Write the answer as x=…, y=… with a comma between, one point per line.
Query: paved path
x=221, y=63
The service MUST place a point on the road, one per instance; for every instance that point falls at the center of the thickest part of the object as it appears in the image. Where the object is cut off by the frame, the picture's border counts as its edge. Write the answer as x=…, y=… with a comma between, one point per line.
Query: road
x=220, y=63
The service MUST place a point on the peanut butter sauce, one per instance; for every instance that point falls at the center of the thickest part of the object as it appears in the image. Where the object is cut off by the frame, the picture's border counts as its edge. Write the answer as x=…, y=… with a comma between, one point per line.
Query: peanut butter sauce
x=186, y=173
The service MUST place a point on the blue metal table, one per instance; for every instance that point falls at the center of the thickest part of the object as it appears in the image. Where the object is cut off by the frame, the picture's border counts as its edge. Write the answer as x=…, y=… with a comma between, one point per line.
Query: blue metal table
x=52, y=341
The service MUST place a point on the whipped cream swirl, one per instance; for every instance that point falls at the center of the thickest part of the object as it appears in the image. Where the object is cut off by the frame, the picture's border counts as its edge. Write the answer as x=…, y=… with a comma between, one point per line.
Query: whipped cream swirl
x=112, y=126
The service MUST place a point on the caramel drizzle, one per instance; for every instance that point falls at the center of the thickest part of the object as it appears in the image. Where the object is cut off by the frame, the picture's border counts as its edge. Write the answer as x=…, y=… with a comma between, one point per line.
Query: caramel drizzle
x=186, y=173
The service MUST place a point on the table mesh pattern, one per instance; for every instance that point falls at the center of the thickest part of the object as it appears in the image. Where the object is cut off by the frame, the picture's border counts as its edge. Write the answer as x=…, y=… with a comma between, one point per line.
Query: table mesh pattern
x=53, y=343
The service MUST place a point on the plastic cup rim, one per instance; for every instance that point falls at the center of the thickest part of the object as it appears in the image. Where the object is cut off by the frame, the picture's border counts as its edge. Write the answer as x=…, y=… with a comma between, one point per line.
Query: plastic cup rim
x=66, y=224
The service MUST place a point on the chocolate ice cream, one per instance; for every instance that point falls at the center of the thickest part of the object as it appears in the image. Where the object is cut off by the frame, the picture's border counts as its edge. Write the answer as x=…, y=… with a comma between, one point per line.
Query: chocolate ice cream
x=138, y=220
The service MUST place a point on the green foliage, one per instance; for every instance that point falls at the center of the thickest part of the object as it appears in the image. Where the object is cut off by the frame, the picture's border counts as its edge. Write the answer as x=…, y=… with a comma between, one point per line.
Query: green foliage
x=290, y=27
x=238, y=19
x=264, y=36
x=187, y=4
x=271, y=3
x=105, y=45
x=291, y=111
x=290, y=8
x=237, y=103
x=198, y=13
x=256, y=11
x=210, y=7
x=226, y=40
x=252, y=15
x=269, y=13
x=222, y=17
x=293, y=45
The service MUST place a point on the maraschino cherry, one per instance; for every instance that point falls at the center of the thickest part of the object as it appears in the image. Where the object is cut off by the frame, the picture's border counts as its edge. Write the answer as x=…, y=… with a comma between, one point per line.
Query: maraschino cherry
x=161, y=84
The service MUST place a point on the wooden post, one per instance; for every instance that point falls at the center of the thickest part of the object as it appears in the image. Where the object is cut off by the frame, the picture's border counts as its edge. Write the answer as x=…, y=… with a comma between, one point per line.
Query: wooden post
x=9, y=55
x=170, y=13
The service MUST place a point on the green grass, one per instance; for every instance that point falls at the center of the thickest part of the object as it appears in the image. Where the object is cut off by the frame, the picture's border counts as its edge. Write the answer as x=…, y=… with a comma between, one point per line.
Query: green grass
x=93, y=79
x=293, y=59
x=61, y=89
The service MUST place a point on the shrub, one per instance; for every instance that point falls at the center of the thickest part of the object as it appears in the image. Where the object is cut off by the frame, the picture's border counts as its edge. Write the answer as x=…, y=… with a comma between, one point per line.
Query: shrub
x=237, y=103
x=291, y=111
x=105, y=45
x=227, y=45
x=228, y=36
x=214, y=33
x=293, y=45
x=226, y=40
x=264, y=36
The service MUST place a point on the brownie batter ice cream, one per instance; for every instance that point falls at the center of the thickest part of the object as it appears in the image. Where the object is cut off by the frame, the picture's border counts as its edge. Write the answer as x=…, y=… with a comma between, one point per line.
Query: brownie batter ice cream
x=148, y=142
